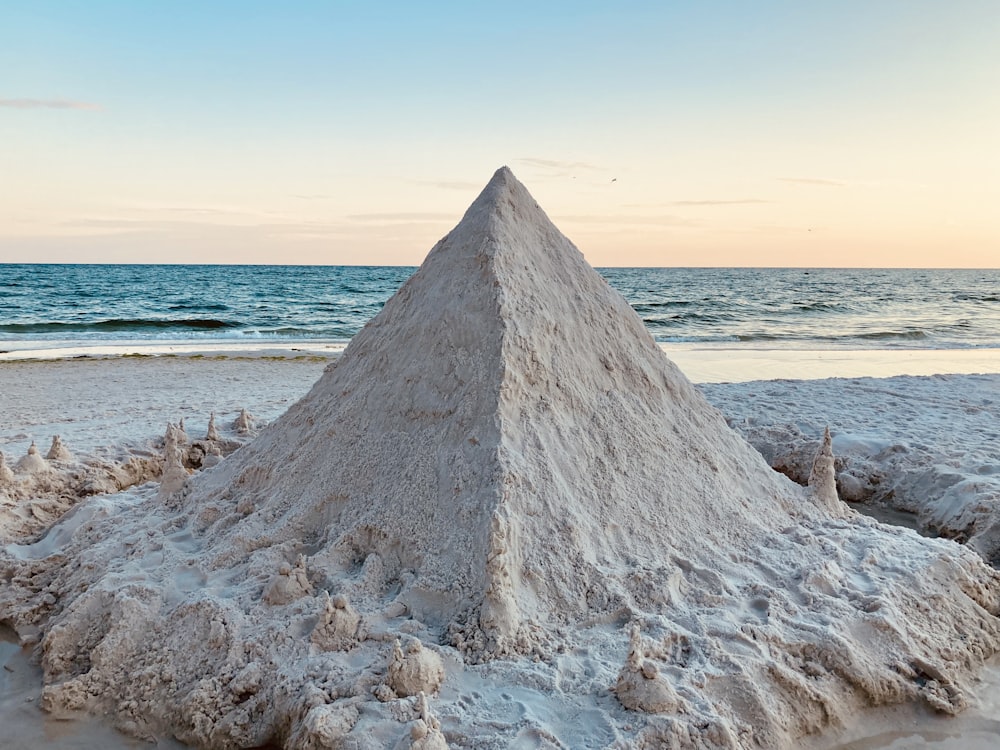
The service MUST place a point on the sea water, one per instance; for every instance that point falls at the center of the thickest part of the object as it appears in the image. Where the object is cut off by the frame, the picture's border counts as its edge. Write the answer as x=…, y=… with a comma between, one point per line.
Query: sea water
x=45, y=305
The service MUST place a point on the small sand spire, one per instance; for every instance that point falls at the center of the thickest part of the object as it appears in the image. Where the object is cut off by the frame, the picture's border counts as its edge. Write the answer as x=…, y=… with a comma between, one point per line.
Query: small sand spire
x=244, y=423
x=174, y=473
x=640, y=686
x=6, y=475
x=425, y=732
x=213, y=431
x=338, y=626
x=33, y=463
x=288, y=584
x=823, y=478
x=58, y=451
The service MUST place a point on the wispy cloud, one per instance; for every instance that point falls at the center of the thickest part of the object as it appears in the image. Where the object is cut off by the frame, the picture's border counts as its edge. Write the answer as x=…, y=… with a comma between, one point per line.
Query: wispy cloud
x=658, y=220
x=450, y=184
x=555, y=164
x=205, y=211
x=124, y=224
x=401, y=217
x=742, y=202
x=208, y=212
x=200, y=228
x=814, y=181
x=47, y=104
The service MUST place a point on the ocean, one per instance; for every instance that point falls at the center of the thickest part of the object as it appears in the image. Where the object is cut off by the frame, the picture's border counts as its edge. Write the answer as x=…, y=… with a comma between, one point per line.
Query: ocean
x=44, y=306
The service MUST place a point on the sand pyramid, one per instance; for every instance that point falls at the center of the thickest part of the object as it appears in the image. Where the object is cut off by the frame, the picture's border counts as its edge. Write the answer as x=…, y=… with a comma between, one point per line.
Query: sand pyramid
x=506, y=407
x=503, y=468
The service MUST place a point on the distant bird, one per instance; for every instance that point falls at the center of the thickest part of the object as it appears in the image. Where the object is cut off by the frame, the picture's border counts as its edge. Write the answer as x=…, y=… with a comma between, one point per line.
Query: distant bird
x=614, y=179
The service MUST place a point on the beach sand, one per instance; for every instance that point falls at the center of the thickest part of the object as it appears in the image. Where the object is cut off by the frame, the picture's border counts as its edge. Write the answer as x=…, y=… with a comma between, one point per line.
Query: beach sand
x=88, y=393
x=94, y=403
x=103, y=406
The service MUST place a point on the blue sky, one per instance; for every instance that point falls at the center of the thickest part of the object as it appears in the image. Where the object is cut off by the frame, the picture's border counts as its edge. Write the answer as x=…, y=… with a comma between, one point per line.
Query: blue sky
x=710, y=133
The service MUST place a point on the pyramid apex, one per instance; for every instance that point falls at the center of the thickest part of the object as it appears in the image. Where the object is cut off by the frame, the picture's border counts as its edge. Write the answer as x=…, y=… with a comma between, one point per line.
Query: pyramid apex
x=503, y=184
x=504, y=199
x=503, y=173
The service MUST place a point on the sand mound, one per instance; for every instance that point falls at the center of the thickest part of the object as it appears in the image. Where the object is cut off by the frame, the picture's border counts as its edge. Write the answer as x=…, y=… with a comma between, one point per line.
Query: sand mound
x=504, y=473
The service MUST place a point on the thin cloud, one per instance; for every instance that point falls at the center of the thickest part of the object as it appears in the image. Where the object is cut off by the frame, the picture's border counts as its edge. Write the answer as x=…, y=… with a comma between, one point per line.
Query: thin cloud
x=47, y=104
x=400, y=217
x=769, y=229
x=205, y=211
x=814, y=181
x=659, y=220
x=555, y=164
x=199, y=228
x=450, y=184
x=130, y=225
x=200, y=211
x=743, y=202
x=107, y=223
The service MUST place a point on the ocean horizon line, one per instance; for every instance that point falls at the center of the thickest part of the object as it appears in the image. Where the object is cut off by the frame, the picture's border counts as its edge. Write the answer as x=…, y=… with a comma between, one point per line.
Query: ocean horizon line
x=417, y=265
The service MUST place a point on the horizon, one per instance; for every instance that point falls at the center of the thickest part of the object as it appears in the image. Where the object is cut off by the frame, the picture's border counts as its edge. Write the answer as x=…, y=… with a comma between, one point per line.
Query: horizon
x=716, y=136
x=596, y=268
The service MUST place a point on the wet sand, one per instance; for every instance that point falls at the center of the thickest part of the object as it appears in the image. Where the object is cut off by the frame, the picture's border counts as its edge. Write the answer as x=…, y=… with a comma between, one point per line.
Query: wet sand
x=912, y=728
x=24, y=726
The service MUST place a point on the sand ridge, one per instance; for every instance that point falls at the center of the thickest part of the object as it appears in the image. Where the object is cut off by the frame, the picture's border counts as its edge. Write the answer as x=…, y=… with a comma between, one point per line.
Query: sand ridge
x=502, y=483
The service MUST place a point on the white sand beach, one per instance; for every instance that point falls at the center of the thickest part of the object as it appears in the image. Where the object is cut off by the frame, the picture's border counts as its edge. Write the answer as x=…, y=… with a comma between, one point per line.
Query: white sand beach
x=475, y=535
x=107, y=406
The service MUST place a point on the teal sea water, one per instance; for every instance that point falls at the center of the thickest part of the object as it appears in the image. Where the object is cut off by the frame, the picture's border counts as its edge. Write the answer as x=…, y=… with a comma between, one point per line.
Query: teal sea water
x=55, y=305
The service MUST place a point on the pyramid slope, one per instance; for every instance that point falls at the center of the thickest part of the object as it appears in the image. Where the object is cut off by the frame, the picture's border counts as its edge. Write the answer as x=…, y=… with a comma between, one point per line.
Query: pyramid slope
x=506, y=398
x=502, y=464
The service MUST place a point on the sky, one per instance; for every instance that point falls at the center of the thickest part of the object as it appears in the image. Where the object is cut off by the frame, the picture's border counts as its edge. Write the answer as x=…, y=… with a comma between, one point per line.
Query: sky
x=856, y=133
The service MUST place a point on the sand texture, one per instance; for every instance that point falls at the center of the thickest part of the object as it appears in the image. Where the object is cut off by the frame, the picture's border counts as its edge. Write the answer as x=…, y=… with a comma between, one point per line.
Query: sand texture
x=922, y=447
x=39, y=491
x=501, y=518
